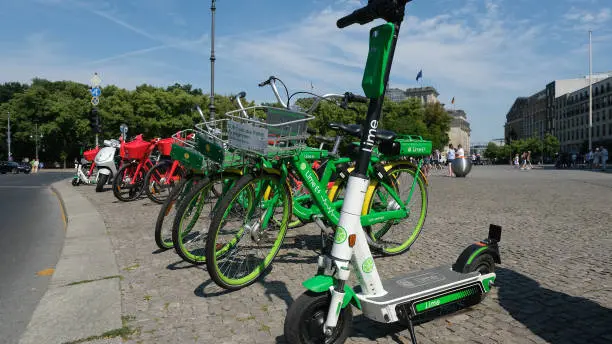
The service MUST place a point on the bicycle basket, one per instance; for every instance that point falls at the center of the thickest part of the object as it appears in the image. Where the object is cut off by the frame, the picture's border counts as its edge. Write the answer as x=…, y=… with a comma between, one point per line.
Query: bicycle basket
x=406, y=145
x=90, y=155
x=269, y=131
x=165, y=146
x=183, y=150
x=136, y=149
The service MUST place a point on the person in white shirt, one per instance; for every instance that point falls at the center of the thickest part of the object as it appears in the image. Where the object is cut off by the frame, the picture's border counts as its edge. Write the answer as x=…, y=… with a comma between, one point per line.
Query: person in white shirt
x=450, y=156
x=460, y=153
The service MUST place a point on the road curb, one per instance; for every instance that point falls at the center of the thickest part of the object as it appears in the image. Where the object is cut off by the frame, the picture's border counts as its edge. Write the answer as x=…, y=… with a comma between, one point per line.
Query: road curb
x=83, y=300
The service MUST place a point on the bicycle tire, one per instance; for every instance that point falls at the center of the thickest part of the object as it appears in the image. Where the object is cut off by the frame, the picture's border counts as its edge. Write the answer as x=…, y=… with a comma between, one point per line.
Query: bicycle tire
x=163, y=238
x=157, y=197
x=214, y=254
x=180, y=236
x=379, y=245
x=138, y=188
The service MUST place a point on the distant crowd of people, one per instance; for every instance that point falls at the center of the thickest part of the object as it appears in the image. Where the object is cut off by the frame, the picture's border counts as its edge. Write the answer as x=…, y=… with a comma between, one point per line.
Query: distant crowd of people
x=595, y=159
x=525, y=161
x=35, y=164
x=435, y=159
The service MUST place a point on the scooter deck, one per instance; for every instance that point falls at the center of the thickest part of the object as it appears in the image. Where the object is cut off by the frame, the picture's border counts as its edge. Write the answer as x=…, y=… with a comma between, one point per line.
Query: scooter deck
x=436, y=285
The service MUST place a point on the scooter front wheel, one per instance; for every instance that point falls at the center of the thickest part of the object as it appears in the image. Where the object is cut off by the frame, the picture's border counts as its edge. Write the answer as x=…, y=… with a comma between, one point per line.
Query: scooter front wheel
x=306, y=316
x=75, y=181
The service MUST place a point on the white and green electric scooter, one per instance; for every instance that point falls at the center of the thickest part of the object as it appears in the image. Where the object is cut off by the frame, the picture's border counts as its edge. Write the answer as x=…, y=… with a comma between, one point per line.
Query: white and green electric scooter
x=323, y=314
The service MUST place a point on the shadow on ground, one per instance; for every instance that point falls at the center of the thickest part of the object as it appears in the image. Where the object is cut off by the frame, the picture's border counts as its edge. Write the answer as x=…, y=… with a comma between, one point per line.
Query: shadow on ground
x=553, y=316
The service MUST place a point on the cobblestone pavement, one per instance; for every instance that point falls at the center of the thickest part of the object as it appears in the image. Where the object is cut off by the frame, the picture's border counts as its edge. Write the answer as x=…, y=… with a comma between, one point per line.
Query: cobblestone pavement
x=554, y=284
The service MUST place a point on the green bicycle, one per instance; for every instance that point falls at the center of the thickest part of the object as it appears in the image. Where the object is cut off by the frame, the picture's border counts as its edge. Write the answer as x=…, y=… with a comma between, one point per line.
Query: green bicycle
x=250, y=222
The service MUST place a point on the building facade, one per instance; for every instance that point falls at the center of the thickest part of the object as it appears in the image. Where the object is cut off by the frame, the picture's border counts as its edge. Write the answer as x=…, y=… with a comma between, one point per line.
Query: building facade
x=459, y=133
x=427, y=94
x=553, y=110
x=571, y=117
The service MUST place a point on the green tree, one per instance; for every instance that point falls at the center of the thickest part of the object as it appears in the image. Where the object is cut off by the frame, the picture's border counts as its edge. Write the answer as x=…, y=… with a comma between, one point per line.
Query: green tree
x=551, y=145
x=492, y=151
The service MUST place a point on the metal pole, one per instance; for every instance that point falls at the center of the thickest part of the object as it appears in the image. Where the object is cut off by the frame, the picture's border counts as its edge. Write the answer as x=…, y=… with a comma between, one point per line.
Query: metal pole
x=36, y=139
x=590, y=95
x=8, y=139
x=211, y=107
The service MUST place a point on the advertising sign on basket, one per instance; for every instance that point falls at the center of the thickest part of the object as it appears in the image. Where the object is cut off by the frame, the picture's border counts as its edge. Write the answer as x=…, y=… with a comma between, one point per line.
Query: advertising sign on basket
x=247, y=137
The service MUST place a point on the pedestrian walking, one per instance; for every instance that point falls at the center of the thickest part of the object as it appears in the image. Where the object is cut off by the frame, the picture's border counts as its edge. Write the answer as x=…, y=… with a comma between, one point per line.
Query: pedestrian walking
x=450, y=156
x=604, y=158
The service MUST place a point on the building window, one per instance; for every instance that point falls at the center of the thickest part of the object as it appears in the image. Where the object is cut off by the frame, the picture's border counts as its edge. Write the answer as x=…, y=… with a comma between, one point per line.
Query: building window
x=603, y=130
x=597, y=131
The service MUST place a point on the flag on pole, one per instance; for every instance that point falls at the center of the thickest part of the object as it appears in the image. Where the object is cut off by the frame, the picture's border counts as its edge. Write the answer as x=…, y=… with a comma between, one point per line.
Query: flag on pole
x=453, y=101
x=419, y=75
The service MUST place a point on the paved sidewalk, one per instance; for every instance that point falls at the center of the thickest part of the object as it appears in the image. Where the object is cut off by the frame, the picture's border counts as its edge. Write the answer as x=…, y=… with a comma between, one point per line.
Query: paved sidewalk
x=554, y=284
x=83, y=299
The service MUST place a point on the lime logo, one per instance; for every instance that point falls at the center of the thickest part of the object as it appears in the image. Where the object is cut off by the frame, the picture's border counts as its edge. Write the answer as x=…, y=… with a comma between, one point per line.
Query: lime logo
x=367, y=265
x=340, y=235
x=303, y=166
x=186, y=155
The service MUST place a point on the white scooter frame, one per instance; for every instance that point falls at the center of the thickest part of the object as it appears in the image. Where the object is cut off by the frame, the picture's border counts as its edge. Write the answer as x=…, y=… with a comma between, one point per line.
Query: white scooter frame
x=402, y=298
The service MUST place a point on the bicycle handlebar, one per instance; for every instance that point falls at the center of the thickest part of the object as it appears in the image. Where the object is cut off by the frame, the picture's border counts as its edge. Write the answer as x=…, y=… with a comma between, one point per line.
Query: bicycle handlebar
x=389, y=10
x=272, y=82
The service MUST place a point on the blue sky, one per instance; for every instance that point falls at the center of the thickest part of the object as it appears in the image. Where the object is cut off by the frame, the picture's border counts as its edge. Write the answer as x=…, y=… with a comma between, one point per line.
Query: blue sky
x=484, y=53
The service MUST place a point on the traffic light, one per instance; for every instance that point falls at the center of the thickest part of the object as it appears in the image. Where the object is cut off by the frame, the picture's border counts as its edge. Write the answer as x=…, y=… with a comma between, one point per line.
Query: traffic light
x=94, y=121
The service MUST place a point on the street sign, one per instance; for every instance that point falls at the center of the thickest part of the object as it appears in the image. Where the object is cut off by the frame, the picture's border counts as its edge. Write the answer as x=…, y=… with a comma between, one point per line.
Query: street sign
x=95, y=101
x=95, y=80
x=96, y=92
x=123, y=128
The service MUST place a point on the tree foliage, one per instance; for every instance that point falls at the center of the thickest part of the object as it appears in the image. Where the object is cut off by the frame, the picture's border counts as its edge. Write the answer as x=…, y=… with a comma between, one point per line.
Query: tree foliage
x=538, y=148
x=62, y=109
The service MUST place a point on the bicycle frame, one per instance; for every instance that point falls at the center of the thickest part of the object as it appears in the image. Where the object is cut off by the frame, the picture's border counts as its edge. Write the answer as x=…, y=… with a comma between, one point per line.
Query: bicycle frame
x=143, y=165
x=323, y=205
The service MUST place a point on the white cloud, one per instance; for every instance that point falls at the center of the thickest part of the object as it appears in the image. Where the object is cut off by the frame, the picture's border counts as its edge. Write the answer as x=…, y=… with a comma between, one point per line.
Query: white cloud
x=477, y=54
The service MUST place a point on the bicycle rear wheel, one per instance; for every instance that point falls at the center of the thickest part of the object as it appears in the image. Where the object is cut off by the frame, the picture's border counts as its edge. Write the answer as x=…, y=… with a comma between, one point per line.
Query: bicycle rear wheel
x=390, y=238
x=248, y=230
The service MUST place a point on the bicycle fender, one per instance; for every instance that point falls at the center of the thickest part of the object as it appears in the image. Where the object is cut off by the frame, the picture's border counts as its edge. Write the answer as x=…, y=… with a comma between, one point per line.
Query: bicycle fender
x=389, y=166
x=322, y=283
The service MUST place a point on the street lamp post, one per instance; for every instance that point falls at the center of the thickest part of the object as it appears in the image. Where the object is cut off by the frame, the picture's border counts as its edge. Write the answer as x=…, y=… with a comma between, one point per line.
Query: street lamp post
x=36, y=138
x=590, y=95
x=211, y=107
x=8, y=136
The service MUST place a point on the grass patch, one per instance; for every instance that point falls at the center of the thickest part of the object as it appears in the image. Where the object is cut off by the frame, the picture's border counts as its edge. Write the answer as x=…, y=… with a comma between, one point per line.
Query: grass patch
x=147, y=297
x=264, y=328
x=132, y=267
x=94, y=280
x=264, y=308
x=251, y=317
x=123, y=332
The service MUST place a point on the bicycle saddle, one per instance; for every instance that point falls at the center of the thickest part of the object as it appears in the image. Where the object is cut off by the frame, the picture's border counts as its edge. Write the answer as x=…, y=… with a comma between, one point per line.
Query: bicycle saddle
x=355, y=130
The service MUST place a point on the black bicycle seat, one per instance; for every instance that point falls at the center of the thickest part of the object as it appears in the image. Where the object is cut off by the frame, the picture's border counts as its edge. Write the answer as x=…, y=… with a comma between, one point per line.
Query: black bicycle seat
x=355, y=130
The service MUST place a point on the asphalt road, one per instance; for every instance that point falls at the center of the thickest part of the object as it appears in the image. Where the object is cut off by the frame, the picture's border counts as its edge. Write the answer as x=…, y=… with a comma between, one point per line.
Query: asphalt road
x=32, y=231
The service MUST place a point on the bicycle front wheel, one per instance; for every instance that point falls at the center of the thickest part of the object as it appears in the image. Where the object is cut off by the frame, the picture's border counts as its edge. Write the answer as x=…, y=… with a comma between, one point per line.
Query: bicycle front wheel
x=168, y=211
x=159, y=183
x=128, y=185
x=192, y=221
x=247, y=230
x=394, y=237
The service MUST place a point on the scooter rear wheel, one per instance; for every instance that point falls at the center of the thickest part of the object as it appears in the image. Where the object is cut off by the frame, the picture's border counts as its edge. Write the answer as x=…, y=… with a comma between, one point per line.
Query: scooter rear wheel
x=306, y=316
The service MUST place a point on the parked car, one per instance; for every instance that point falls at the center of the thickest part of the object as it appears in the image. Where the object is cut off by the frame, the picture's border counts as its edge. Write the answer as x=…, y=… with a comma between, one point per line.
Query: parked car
x=14, y=167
